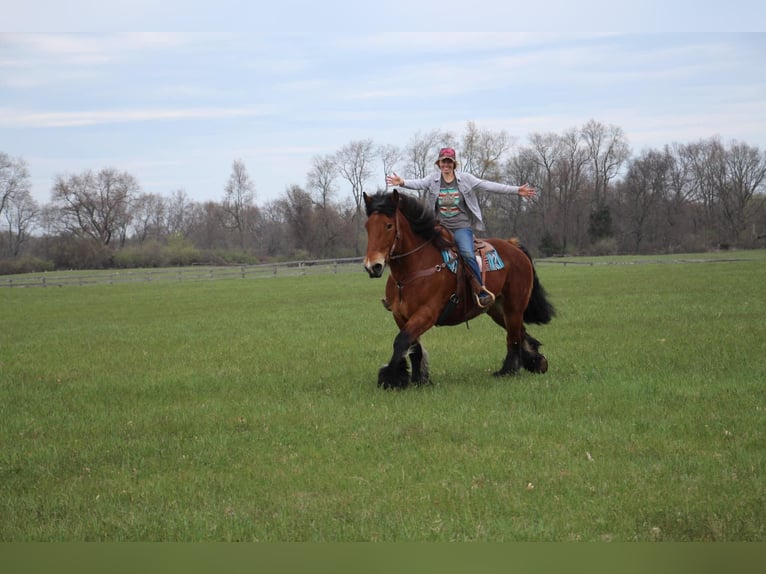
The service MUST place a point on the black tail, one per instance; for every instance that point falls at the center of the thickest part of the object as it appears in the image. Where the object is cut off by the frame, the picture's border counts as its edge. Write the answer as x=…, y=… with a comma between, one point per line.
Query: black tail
x=539, y=310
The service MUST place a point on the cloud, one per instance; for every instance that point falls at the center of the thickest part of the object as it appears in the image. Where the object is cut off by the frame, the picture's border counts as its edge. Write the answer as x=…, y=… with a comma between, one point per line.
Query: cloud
x=19, y=119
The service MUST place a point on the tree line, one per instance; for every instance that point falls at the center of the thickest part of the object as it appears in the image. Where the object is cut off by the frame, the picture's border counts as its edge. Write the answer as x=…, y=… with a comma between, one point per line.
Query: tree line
x=595, y=197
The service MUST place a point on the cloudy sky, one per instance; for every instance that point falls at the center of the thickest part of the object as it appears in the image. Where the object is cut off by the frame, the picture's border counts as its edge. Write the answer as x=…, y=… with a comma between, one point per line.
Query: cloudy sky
x=283, y=84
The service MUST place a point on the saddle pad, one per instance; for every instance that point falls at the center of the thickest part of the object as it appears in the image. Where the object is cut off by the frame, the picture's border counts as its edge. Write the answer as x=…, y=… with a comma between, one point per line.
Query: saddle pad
x=491, y=259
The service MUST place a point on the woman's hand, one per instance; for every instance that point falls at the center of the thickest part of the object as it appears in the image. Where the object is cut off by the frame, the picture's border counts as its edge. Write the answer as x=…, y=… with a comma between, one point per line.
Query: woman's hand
x=527, y=191
x=394, y=180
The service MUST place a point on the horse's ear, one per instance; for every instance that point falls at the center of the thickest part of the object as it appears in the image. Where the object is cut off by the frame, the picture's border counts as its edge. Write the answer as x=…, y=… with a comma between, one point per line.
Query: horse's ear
x=367, y=198
x=395, y=197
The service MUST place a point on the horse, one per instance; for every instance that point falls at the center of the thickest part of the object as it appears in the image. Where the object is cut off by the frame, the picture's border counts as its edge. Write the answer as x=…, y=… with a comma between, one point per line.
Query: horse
x=404, y=235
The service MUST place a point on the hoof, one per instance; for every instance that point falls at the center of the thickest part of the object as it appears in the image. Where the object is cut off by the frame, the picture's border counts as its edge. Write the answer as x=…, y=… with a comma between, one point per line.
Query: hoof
x=536, y=364
x=389, y=378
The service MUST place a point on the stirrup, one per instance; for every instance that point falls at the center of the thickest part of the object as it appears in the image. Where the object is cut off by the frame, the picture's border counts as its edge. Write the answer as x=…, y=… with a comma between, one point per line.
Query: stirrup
x=478, y=298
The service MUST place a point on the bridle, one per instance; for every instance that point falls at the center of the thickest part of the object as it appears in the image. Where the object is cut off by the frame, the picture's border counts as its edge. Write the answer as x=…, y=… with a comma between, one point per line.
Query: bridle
x=397, y=236
x=416, y=274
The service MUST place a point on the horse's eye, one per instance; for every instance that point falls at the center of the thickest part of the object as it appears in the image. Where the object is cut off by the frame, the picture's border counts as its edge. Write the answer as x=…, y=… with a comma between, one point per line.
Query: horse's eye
x=389, y=226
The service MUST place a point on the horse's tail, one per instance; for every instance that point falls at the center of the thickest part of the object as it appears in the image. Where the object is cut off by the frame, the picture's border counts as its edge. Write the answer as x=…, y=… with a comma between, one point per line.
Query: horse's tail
x=539, y=310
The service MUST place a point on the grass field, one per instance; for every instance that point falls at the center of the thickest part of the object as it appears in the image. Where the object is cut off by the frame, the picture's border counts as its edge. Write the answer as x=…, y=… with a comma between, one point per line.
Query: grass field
x=248, y=410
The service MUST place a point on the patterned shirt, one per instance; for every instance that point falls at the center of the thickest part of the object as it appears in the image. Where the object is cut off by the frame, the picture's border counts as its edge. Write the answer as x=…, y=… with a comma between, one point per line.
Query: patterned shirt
x=451, y=206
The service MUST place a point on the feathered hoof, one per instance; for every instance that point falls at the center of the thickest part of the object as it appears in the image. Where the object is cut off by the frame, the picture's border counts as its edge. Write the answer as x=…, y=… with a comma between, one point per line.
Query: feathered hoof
x=536, y=364
x=393, y=378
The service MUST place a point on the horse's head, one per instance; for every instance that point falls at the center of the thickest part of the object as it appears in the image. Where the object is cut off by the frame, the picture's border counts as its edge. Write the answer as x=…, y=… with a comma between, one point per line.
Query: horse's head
x=381, y=230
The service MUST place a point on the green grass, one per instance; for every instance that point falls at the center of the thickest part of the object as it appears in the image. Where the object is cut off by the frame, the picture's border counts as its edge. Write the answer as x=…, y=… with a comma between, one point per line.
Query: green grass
x=248, y=410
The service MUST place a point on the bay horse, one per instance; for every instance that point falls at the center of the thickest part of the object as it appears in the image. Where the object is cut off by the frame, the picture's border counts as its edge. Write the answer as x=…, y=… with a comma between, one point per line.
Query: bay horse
x=404, y=234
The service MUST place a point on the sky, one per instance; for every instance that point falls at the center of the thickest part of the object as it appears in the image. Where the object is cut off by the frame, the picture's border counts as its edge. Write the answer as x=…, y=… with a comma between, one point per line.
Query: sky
x=275, y=84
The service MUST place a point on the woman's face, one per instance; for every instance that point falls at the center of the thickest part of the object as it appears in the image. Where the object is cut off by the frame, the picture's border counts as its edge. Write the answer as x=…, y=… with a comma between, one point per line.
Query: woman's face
x=447, y=166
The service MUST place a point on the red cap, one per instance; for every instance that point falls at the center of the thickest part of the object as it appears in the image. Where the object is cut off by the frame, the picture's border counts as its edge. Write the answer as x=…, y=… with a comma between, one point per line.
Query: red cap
x=446, y=153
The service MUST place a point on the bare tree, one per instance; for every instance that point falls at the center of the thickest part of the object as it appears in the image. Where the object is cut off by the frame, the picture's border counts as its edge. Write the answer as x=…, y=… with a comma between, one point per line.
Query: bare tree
x=21, y=213
x=298, y=210
x=354, y=161
x=569, y=179
x=677, y=197
x=321, y=179
x=707, y=162
x=548, y=150
x=182, y=213
x=14, y=178
x=482, y=151
x=390, y=155
x=643, y=189
x=95, y=206
x=421, y=151
x=239, y=194
x=321, y=184
x=746, y=170
x=149, y=211
x=607, y=149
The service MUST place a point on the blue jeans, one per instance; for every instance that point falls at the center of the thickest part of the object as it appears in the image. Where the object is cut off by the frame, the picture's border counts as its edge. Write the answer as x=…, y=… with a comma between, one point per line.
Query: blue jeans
x=464, y=241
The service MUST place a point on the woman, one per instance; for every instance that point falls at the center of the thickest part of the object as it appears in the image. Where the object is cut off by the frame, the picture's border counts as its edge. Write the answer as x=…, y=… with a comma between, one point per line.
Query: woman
x=454, y=197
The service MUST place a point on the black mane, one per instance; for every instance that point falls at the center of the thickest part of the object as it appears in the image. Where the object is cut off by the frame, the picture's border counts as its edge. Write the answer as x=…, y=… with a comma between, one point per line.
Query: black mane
x=420, y=216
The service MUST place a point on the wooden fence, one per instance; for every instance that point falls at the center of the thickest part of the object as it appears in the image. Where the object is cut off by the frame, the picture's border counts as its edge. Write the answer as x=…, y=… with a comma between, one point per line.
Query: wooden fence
x=180, y=274
x=266, y=270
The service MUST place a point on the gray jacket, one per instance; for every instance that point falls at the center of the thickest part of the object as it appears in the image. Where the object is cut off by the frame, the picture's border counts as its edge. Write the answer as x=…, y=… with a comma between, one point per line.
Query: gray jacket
x=467, y=185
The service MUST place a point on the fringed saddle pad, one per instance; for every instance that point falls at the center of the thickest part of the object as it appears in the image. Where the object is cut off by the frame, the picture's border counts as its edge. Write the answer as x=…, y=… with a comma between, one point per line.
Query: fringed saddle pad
x=487, y=255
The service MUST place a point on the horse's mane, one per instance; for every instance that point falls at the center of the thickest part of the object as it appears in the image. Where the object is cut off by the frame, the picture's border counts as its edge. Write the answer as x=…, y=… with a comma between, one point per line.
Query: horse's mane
x=420, y=216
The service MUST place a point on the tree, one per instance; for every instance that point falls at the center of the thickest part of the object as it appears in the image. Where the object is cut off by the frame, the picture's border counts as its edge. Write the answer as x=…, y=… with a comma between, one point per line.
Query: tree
x=21, y=213
x=239, y=194
x=321, y=183
x=520, y=168
x=646, y=178
x=569, y=178
x=390, y=155
x=182, y=213
x=298, y=209
x=482, y=151
x=14, y=178
x=421, y=152
x=149, y=217
x=607, y=149
x=354, y=161
x=321, y=179
x=95, y=206
x=745, y=173
x=547, y=149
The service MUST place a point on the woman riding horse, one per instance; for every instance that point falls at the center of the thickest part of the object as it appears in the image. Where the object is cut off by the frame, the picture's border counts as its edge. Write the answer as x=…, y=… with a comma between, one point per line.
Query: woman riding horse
x=454, y=196
x=421, y=291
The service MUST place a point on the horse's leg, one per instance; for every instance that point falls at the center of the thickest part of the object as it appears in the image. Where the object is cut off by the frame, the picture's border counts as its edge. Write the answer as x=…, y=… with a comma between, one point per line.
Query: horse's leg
x=419, y=360
x=395, y=374
x=513, y=325
x=513, y=321
x=531, y=358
